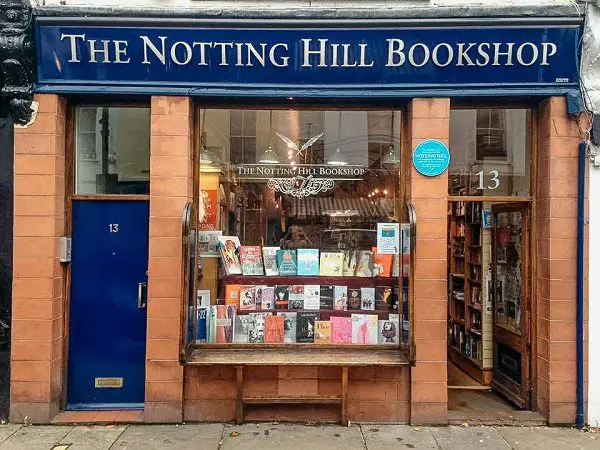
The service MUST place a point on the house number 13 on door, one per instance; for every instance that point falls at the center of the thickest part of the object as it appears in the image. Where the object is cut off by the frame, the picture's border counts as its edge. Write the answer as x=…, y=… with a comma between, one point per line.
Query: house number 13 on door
x=494, y=181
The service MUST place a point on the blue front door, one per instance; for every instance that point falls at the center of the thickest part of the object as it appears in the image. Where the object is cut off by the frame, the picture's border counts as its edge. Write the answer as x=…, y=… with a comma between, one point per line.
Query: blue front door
x=107, y=331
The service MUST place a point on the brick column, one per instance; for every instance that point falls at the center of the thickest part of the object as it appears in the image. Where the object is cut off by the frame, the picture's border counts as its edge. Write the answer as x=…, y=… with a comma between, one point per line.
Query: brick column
x=429, y=119
x=170, y=189
x=556, y=242
x=38, y=282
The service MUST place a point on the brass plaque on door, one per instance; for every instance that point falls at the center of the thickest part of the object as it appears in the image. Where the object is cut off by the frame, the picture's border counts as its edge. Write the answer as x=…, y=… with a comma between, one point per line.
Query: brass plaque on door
x=108, y=382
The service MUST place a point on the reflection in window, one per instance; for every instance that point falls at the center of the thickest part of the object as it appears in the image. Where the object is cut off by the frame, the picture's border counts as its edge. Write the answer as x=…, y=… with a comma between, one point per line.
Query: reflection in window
x=113, y=150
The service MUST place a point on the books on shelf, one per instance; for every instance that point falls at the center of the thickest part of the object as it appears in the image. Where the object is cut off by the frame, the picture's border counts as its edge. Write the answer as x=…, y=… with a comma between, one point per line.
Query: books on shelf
x=270, y=260
x=341, y=330
x=308, y=261
x=296, y=296
x=243, y=324
x=257, y=327
x=389, y=330
x=252, y=260
x=232, y=294
x=382, y=264
x=322, y=332
x=247, y=298
x=287, y=262
x=383, y=298
x=354, y=298
x=331, y=264
x=326, y=299
x=224, y=323
x=289, y=326
x=305, y=326
x=282, y=295
x=367, y=297
x=340, y=298
x=267, y=297
x=350, y=263
x=312, y=296
x=364, y=264
x=229, y=247
x=274, y=329
x=364, y=329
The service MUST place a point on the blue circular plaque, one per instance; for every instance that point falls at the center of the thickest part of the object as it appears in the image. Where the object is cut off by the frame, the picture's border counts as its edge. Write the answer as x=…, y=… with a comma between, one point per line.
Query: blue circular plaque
x=431, y=158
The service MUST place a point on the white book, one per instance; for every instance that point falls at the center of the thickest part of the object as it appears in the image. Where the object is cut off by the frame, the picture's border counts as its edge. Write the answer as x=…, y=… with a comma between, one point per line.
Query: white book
x=389, y=330
x=364, y=329
x=367, y=298
x=312, y=296
x=270, y=261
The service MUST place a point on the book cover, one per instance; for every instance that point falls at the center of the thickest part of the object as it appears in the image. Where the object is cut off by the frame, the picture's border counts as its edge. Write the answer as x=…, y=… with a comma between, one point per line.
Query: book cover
x=305, y=326
x=350, y=263
x=243, y=323
x=395, y=265
x=268, y=297
x=202, y=305
x=286, y=262
x=282, y=294
x=257, y=328
x=225, y=323
x=341, y=330
x=326, y=300
x=322, y=332
x=289, y=326
x=270, y=261
x=354, y=299
x=382, y=264
x=232, y=294
x=364, y=266
x=274, y=329
x=308, y=261
x=296, y=297
x=312, y=296
x=229, y=247
x=364, y=329
x=340, y=298
x=389, y=330
x=383, y=298
x=394, y=300
x=251, y=259
x=331, y=264
x=247, y=298
x=258, y=295
x=367, y=296
x=211, y=321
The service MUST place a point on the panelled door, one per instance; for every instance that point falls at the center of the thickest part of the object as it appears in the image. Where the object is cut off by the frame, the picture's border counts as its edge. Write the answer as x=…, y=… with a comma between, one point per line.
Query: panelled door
x=512, y=328
x=107, y=321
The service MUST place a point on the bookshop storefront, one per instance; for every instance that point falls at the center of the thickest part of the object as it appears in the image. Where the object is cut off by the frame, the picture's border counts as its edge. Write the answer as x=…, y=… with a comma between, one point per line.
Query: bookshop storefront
x=292, y=220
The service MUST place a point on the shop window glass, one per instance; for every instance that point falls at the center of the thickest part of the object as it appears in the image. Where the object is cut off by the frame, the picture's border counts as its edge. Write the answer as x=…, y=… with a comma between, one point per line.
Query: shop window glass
x=112, y=150
x=490, y=152
x=288, y=231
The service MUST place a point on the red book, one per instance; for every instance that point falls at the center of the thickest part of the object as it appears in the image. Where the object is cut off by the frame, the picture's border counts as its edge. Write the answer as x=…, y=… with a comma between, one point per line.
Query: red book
x=382, y=264
x=252, y=262
x=274, y=329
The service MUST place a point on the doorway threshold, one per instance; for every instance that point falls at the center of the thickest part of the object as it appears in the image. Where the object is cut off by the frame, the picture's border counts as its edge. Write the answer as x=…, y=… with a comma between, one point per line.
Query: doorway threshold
x=99, y=417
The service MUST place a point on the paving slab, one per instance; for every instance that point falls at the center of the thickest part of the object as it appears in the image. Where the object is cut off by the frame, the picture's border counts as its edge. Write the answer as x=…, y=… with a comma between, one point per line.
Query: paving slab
x=467, y=438
x=170, y=437
x=526, y=438
x=274, y=436
x=384, y=437
x=8, y=430
x=35, y=437
x=99, y=437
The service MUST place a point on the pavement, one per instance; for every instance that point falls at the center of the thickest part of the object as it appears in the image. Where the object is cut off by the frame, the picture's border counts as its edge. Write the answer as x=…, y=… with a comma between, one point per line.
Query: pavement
x=276, y=436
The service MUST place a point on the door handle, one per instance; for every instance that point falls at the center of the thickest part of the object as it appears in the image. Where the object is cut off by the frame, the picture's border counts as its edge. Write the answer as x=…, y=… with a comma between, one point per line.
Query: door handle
x=141, y=303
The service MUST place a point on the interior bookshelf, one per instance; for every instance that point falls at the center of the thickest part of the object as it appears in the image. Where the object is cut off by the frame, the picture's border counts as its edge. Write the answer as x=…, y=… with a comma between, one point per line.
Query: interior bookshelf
x=467, y=318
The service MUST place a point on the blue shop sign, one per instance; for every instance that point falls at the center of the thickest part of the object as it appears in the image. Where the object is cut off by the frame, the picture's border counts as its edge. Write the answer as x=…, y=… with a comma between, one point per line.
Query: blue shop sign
x=431, y=158
x=309, y=62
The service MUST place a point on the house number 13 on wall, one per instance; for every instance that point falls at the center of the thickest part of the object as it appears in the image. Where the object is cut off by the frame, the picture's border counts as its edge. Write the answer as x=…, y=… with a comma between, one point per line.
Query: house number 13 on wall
x=494, y=181
x=113, y=227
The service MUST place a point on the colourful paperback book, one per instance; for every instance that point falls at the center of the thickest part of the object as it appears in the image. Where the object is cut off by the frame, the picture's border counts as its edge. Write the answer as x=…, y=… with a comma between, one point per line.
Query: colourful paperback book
x=308, y=261
x=364, y=266
x=296, y=297
x=229, y=247
x=289, y=326
x=382, y=264
x=322, y=332
x=282, y=295
x=389, y=330
x=270, y=261
x=383, y=298
x=251, y=258
x=225, y=323
x=305, y=326
x=364, y=329
x=257, y=328
x=211, y=322
x=259, y=295
x=286, y=262
x=354, y=299
x=340, y=298
x=341, y=330
x=243, y=324
x=331, y=264
x=203, y=303
x=312, y=296
x=247, y=298
x=367, y=297
x=326, y=300
x=232, y=294
x=268, y=298
x=274, y=329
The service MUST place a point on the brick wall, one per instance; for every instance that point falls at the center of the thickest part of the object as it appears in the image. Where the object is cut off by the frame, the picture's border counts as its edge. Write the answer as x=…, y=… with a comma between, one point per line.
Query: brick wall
x=170, y=189
x=429, y=119
x=38, y=283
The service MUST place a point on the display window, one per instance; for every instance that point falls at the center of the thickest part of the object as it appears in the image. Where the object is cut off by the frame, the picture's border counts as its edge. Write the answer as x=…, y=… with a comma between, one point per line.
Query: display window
x=301, y=230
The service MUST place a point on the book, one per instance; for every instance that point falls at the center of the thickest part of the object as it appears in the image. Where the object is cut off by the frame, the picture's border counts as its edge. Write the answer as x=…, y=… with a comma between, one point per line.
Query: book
x=312, y=296
x=393, y=303
x=331, y=264
x=281, y=296
x=229, y=247
x=224, y=324
x=389, y=330
x=267, y=297
x=211, y=321
x=274, y=329
x=270, y=261
x=286, y=262
x=395, y=265
x=367, y=297
x=258, y=295
x=383, y=298
x=247, y=298
x=243, y=323
x=305, y=326
x=202, y=305
x=289, y=326
x=341, y=330
x=257, y=328
x=296, y=297
x=364, y=329
x=382, y=264
x=232, y=294
x=251, y=259
x=354, y=299
x=326, y=300
x=322, y=332
x=350, y=262
x=308, y=261
x=340, y=298
x=364, y=265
